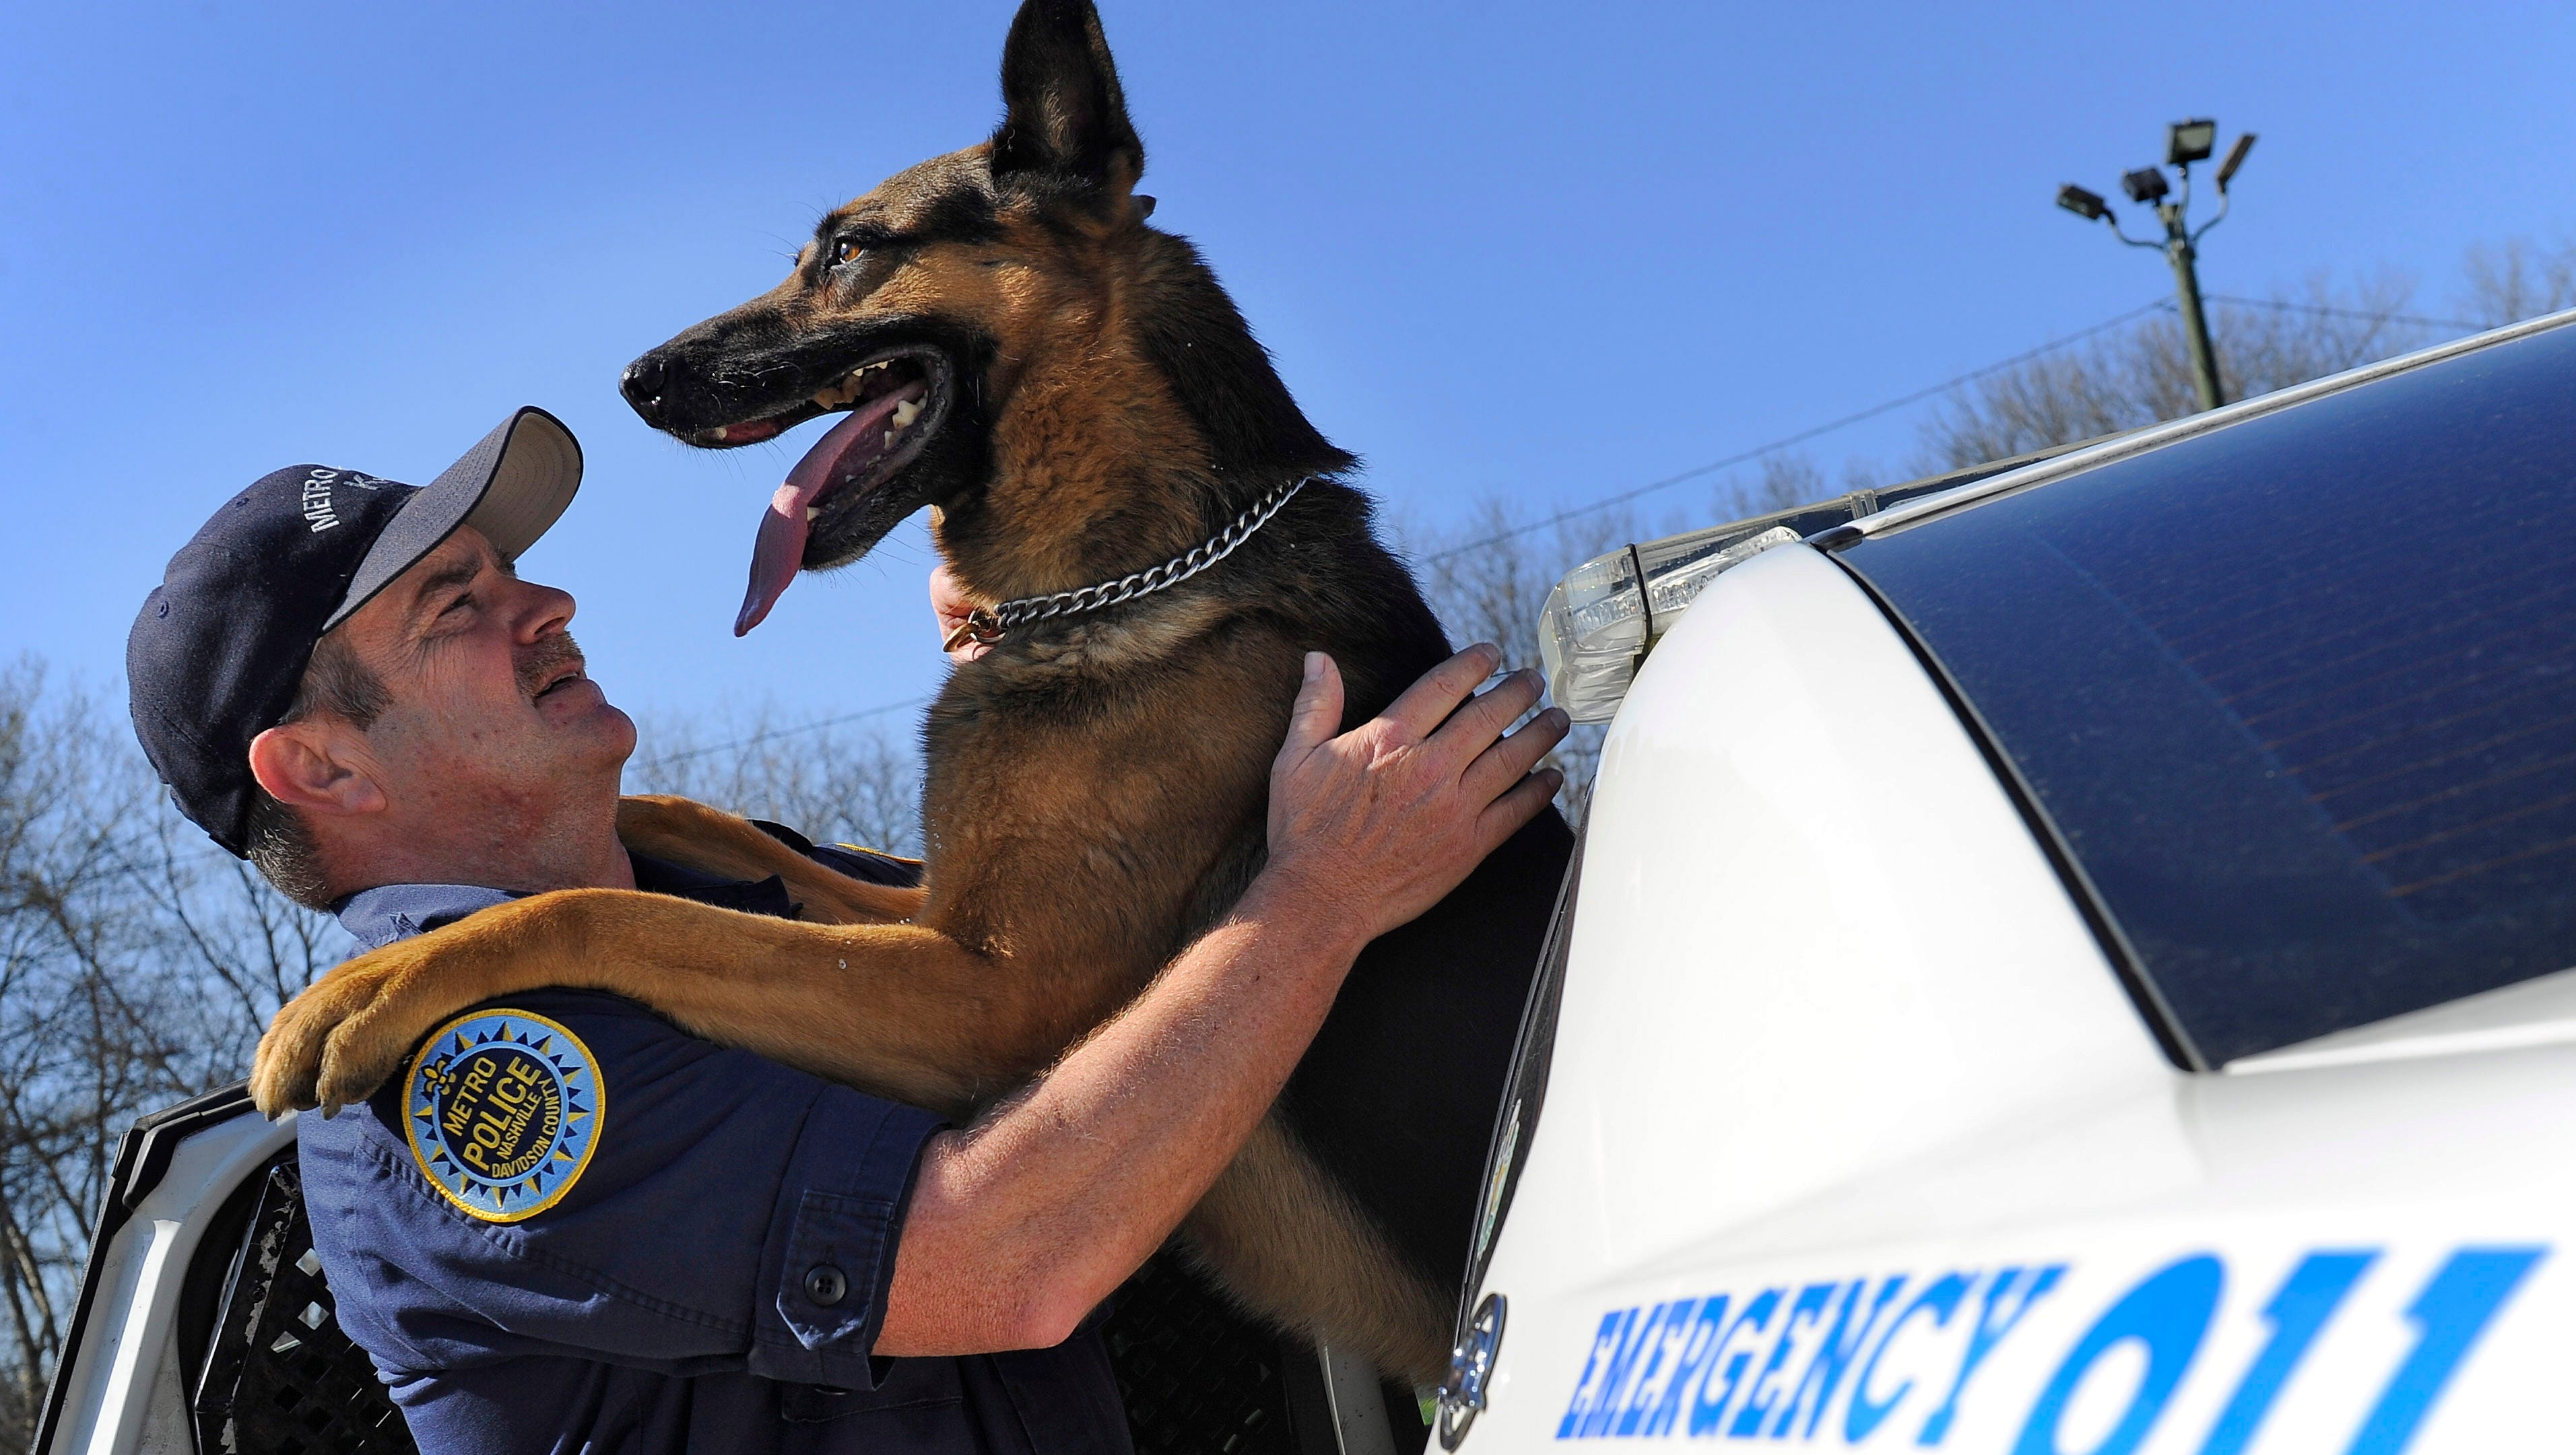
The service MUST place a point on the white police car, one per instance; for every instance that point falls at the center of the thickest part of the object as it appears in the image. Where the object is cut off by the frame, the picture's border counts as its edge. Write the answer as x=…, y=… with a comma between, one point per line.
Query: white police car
x=2072, y=964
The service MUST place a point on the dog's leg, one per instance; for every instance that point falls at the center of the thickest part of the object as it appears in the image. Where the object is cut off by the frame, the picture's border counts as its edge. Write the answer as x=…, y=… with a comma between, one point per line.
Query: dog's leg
x=687, y=832
x=901, y=1011
x=1284, y=1238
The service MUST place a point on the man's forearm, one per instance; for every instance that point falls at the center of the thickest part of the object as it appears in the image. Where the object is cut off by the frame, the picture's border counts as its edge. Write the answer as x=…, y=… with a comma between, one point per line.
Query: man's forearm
x=1022, y=1223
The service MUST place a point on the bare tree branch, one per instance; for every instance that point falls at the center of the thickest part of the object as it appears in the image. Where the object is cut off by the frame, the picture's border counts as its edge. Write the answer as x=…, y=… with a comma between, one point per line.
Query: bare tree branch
x=848, y=782
x=2517, y=279
x=2142, y=373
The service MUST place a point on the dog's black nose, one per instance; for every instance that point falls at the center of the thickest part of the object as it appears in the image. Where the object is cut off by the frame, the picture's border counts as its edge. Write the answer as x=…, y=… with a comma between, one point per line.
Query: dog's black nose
x=642, y=386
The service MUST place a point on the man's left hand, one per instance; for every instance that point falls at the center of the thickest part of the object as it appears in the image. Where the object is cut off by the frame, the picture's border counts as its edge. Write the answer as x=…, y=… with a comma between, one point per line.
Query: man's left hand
x=950, y=603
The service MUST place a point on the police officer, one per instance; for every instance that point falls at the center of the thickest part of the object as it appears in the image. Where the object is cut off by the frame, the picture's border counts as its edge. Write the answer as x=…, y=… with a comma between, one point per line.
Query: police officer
x=570, y=1226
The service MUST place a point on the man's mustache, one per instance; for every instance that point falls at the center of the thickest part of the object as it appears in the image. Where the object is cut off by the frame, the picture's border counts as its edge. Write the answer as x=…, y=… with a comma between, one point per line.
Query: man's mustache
x=546, y=660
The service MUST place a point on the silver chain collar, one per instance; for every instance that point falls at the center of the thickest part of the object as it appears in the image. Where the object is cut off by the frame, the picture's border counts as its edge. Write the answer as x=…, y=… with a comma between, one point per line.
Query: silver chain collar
x=989, y=624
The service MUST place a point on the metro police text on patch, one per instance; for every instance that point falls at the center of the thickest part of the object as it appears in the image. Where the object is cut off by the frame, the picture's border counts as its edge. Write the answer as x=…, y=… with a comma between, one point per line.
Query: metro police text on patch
x=503, y=1110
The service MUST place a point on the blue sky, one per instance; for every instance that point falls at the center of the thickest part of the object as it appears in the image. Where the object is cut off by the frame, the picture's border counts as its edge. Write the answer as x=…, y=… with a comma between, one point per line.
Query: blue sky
x=1540, y=253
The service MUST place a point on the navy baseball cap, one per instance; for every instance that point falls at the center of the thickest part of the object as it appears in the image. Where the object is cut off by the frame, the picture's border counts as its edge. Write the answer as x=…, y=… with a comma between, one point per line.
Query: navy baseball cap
x=221, y=645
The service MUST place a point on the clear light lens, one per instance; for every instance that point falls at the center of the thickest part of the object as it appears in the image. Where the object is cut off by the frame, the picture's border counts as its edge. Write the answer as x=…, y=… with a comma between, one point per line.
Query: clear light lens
x=2190, y=141
x=1594, y=627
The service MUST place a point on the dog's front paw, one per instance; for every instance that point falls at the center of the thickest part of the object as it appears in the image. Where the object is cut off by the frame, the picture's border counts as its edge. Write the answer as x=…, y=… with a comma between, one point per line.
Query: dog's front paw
x=346, y=1034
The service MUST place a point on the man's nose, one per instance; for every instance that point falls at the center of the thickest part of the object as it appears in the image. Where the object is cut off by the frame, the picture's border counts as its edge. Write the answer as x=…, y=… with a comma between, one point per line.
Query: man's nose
x=642, y=385
x=542, y=609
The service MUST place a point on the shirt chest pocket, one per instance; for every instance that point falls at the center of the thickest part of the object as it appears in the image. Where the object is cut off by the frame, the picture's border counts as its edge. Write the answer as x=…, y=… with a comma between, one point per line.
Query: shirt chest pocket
x=925, y=1390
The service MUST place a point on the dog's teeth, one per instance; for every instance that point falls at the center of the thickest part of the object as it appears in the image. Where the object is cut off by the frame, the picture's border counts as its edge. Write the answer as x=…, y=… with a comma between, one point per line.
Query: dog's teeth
x=890, y=434
x=906, y=412
x=812, y=511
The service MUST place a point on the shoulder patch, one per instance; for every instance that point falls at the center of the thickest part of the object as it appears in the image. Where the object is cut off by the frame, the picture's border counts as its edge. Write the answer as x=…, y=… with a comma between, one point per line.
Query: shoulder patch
x=502, y=1109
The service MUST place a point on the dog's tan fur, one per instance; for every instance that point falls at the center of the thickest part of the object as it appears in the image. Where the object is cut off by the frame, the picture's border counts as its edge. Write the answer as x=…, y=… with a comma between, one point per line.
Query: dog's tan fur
x=681, y=831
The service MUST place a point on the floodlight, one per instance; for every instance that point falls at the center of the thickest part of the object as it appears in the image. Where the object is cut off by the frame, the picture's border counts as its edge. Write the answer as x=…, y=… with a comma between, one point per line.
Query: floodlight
x=2235, y=159
x=2187, y=142
x=2086, y=205
x=2146, y=184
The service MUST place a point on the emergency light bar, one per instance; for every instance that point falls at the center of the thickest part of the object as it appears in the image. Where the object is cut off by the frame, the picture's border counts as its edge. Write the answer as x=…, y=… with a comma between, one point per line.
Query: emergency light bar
x=1598, y=624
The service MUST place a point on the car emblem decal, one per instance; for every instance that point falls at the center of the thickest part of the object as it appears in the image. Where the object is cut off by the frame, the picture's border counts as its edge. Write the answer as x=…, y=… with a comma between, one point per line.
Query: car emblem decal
x=503, y=1110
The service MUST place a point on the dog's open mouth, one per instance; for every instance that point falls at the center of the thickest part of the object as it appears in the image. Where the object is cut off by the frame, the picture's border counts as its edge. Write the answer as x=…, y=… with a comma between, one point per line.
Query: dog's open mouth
x=896, y=403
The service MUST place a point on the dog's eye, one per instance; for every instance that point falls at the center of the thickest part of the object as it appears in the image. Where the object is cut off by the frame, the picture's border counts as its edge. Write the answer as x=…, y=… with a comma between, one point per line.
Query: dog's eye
x=847, y=251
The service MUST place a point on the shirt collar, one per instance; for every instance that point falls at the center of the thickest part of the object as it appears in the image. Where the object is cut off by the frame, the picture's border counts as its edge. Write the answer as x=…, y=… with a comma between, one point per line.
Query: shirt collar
x=378, y=917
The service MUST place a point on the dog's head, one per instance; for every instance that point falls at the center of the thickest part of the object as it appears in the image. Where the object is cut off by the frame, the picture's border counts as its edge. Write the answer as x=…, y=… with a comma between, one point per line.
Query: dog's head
x=1010, y=343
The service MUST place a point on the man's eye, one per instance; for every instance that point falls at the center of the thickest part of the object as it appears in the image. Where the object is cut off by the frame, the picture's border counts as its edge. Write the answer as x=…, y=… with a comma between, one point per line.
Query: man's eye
x=846, y=251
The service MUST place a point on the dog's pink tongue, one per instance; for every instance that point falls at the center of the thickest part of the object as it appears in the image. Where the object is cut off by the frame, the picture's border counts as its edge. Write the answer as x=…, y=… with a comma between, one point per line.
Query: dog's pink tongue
x=780, y=550
x=776, y=555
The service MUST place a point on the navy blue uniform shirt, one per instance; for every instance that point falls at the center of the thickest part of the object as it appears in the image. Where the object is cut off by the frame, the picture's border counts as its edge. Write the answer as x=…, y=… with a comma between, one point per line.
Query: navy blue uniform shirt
x=708, y=1264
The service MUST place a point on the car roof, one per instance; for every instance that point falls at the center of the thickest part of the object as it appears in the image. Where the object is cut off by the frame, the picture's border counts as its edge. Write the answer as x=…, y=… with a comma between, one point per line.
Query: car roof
x=1946, y=494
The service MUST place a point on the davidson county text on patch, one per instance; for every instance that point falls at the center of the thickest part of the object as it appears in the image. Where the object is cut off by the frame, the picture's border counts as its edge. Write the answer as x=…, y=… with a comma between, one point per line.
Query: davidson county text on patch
x=503, y=1109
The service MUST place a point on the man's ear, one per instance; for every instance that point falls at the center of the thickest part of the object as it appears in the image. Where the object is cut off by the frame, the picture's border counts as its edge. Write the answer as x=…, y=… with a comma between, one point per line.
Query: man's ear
x=310, y=766
x=1066, y=126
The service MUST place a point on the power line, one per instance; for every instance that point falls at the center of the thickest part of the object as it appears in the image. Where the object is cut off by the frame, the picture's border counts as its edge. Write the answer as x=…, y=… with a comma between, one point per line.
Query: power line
x=2365, y=315
x=1785, y=441
x=879, y=710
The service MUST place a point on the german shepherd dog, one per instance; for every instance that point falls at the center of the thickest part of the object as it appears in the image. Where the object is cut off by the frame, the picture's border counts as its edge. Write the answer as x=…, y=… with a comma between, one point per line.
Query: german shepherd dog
x=1074, y=398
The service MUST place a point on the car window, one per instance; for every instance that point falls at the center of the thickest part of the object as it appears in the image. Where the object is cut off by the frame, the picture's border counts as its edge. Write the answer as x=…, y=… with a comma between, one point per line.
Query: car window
x=2297, y=696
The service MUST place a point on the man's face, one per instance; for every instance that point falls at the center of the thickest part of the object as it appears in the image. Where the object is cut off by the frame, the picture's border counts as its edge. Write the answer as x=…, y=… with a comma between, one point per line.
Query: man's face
x=493, y=721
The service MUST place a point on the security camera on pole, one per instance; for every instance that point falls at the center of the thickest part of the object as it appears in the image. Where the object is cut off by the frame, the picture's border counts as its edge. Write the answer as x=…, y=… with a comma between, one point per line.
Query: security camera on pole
x=2186, y=142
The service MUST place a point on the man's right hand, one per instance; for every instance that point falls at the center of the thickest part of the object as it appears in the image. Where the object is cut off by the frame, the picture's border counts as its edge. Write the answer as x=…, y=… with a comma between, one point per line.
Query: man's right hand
x=1378, y=824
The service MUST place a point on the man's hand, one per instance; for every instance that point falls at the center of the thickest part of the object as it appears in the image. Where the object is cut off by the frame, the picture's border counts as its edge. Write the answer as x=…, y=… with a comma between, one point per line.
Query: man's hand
x=1378, y=824
x=950, y=604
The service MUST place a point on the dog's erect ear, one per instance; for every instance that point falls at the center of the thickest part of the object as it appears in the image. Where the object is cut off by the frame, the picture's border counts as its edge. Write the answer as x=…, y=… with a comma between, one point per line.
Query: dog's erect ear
x=1067, y=120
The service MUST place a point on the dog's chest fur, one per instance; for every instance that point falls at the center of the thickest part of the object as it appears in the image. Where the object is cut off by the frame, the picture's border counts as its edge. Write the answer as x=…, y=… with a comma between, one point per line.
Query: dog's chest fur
x=1068, y=804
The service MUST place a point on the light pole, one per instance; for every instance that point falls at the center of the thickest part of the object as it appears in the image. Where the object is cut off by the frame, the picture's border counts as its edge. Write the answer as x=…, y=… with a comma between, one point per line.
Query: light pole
x=2186, y=142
